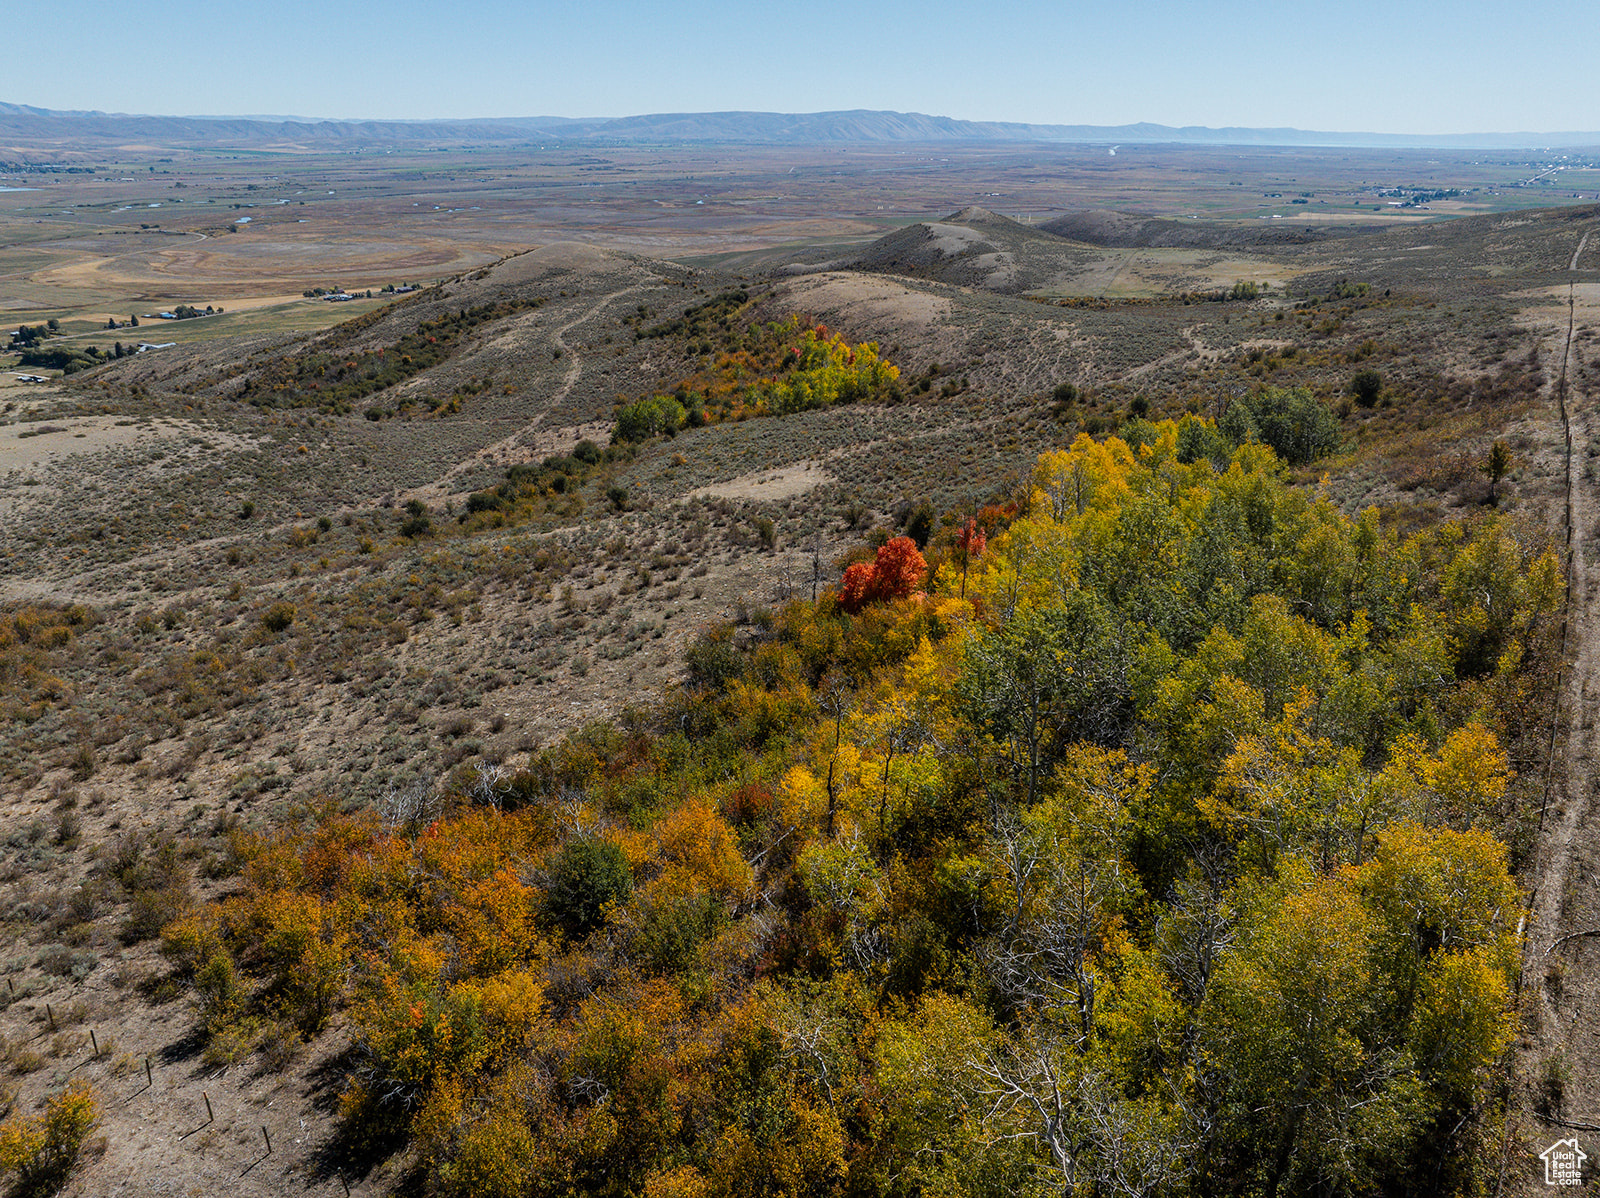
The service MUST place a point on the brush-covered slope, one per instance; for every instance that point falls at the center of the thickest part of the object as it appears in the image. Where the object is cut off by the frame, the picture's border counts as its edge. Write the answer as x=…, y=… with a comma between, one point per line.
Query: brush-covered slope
x=975, y=248
x=1132, y=231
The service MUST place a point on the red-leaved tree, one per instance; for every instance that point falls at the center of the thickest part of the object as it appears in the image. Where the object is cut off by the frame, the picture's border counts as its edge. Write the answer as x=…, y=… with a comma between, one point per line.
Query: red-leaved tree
x=896, y=571
x=855, y=589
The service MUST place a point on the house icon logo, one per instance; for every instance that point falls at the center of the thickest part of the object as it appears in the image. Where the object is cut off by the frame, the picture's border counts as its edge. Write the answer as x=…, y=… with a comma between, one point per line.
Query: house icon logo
x=1563, y=1163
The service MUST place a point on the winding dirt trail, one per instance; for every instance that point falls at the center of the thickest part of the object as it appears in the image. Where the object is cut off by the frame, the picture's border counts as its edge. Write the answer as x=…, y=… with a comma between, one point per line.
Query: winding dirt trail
x=500, y=452
x=1560, y=1052
x=1573, y=265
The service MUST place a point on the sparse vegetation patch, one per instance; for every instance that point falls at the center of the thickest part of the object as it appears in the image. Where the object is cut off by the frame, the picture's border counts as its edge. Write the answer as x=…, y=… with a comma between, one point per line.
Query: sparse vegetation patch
x=335, y=382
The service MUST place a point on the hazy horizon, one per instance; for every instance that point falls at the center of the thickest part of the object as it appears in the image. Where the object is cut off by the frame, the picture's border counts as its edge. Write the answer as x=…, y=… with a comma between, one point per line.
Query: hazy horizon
x=1360, y=67
x=1133, y=133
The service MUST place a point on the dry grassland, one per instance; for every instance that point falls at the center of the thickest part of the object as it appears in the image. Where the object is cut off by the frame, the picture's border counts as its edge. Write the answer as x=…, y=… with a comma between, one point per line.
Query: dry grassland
x=247, y=633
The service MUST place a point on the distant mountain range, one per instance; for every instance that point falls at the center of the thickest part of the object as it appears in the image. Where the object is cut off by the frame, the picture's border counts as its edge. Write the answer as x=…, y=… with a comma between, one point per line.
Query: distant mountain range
x=23, y=127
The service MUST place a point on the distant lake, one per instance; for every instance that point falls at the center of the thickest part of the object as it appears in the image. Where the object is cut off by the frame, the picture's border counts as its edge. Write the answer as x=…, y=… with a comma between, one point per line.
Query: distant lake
x=16, y=189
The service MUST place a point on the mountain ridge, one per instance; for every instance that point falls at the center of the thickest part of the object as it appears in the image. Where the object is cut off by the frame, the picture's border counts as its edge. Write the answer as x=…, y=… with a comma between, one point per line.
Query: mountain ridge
x=22, y=123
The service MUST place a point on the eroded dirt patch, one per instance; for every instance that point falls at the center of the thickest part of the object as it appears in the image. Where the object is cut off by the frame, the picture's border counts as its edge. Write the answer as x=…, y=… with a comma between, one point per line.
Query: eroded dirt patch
x=770, y=485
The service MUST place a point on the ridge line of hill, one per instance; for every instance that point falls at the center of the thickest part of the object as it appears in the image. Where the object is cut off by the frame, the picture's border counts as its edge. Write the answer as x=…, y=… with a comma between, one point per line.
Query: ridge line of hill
x=20, y=123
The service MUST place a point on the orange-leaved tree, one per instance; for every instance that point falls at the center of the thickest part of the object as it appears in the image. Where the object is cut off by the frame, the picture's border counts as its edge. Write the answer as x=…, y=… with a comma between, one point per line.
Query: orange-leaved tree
x=894, y=573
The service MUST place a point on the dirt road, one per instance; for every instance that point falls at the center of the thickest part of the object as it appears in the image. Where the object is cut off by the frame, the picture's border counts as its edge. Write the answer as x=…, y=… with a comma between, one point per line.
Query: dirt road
x=1559, y=1063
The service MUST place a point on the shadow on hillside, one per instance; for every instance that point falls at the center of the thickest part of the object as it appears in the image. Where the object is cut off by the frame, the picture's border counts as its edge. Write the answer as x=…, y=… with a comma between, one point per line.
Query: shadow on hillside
x=362, y=1140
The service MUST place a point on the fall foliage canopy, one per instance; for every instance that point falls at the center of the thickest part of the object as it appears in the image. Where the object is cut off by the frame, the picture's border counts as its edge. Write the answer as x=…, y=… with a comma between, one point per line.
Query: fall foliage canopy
x=1167, y=861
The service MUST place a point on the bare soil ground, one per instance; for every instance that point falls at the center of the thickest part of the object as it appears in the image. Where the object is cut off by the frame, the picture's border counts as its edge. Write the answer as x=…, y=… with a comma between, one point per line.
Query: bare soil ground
x=786, y=483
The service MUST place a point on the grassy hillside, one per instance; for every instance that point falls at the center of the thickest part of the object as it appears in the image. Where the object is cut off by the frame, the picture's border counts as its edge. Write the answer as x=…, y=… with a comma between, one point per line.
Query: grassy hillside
x=486, y=787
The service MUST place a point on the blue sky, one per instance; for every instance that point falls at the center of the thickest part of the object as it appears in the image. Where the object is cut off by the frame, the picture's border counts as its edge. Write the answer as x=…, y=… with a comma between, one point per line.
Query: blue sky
x=1351, y=66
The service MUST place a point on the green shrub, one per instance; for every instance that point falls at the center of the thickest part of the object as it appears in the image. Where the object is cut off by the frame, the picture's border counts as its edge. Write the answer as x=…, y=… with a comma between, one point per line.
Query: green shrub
x=919, y=523
x=714, y=661
x=1551, y=1083
x=1238, y=424
x=588, y=875
x=642, y=420
x=417, y=523
x=1366, y=385
x=673, y=929
x=219, y=990
x=151, y=910
x=1198, y=439
x=1299, y=426
x=278, y=617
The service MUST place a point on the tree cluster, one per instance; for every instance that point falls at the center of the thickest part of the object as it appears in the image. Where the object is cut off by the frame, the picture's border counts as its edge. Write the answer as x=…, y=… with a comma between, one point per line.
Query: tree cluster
x=71, y=359
x=28, y=336
x=1164, y=862
x=773, y=370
